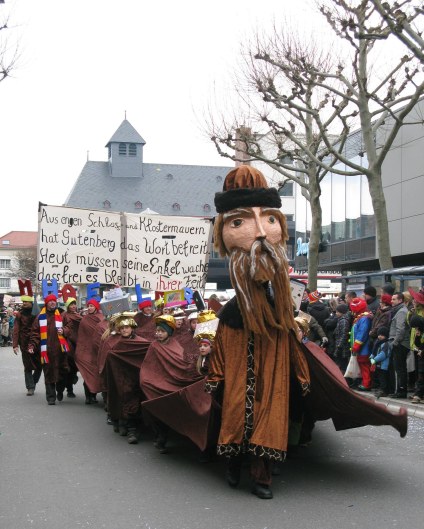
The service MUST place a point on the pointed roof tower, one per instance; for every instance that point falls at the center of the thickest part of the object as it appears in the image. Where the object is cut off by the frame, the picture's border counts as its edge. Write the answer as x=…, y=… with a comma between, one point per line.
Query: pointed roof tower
x=125, y=150
x=126, y=133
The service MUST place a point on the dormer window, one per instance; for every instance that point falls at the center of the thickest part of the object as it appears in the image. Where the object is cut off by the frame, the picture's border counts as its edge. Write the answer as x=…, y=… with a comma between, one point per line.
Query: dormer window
x=176, y=206
x=138, y=205
x=122, y=149
x=106, y=204
x=132, y=149
x=206, y=207
x=169, y=176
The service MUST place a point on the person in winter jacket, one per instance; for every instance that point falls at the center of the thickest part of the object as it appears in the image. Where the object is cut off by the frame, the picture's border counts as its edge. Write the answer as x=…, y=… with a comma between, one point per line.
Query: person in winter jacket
x=341, y=353
x=417, y=325
x=370, y=296
x=380, y=358
x=317, y=309
x=382, y=317
x=359, y=340
x=399, y=336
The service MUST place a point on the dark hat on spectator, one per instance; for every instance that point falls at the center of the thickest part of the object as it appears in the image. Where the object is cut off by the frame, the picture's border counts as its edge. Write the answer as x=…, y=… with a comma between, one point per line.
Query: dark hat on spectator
x=386, y=299
x=342, y=308
x=370, y=291
x=417, y=322
x=383, y=331
x=388, y=288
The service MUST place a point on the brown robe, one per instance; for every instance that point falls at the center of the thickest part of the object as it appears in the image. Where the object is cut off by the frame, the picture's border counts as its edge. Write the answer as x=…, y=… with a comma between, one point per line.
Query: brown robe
x=146, y=326
x=122, y=366
x=57, y=368
x=88, y=342
x=71, y=322
x=21, y=335
x=106, y=346
x=274, y=358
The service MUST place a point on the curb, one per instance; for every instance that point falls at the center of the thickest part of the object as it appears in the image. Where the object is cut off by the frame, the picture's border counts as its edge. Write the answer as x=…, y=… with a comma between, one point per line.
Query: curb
x=413, y=410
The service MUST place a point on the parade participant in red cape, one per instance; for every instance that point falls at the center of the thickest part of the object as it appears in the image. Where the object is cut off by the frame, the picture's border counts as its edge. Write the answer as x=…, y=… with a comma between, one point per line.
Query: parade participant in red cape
x=21, y=334
x=146, y=327
x=165, y=371
x=71, y=321
x=257, y=358
x=88, y=342
x=47, y=338
x=122, y=366
x=360, y=340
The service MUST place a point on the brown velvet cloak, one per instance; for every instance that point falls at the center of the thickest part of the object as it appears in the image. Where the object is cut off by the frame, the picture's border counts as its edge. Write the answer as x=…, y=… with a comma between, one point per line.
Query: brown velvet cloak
x=122, y=367
x=71, y=322
x=21, y=336
x=88, y=342
x=176, y=393
x=57, y=368
x=106, y=346
x=146, y=326
x=330, y=396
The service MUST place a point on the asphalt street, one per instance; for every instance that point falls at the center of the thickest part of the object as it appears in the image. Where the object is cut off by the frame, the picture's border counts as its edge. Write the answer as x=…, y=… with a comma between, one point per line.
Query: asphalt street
x=63, y=467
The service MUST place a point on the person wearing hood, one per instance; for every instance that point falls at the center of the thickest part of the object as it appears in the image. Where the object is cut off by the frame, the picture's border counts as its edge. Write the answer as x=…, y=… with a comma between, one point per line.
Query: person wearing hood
x=317, y=309
x=359, y=340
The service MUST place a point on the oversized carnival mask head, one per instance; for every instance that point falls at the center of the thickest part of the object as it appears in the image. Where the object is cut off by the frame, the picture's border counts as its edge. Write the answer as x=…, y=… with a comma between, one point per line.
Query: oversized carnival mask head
x=252, y=231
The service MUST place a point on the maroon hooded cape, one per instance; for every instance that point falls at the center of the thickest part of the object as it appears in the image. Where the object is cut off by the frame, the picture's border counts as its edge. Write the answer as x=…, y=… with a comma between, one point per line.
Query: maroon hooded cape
x=88, y=342
x=122, y=367
x=176, y=393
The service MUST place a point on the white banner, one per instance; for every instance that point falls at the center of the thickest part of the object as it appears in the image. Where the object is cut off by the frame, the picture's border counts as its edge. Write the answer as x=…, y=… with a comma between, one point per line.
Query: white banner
x=80, y=246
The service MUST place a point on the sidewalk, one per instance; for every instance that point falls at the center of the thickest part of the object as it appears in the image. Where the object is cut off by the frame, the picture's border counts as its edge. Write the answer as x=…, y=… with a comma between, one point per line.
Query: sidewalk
x=414, y=410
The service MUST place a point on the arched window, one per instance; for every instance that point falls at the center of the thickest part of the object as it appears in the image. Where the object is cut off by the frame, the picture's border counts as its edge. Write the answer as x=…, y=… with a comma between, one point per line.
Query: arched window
x=106, y=204
x=132, y=149
x=122, y=149
x=176, y=206
x=138, y=205
x=206, y=207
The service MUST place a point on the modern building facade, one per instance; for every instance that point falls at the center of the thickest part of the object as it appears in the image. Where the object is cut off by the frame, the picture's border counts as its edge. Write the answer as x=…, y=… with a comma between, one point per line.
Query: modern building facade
x=348, y=227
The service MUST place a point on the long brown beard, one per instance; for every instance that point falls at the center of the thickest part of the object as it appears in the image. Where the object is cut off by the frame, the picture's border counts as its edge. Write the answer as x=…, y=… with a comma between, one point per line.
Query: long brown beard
x=249, y=274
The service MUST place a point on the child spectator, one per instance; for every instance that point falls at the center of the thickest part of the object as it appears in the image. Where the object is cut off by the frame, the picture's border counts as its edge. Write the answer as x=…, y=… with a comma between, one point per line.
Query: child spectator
x=380, y=358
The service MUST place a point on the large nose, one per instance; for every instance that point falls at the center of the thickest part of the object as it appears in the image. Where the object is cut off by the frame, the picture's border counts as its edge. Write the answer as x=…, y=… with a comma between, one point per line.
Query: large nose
x=260, y=232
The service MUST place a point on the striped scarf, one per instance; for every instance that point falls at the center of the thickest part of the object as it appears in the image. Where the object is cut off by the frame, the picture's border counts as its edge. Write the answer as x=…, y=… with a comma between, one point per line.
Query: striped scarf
x=42, y=320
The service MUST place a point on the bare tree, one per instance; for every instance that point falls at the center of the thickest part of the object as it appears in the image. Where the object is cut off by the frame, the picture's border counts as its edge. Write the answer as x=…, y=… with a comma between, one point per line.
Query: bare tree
x=382, y=93
x=9, y=51
x=404, y=20
x=282, y=72
x=24, y=265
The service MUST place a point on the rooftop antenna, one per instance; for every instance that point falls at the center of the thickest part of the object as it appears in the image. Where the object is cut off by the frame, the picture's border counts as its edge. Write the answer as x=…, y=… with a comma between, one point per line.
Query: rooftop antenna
x=125, y=112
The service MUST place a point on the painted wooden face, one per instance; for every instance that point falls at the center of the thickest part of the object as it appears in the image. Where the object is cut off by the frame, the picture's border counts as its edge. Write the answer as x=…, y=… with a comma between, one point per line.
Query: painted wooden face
x=243, y=226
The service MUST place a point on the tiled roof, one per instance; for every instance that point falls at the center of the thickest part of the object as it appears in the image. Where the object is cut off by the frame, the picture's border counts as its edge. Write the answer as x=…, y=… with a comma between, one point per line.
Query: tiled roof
x=126, y=133
x=19, y=239
x=162, y=188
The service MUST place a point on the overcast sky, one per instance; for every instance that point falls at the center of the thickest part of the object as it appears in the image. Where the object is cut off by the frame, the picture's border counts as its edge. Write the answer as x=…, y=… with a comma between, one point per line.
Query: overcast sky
x=84, y=63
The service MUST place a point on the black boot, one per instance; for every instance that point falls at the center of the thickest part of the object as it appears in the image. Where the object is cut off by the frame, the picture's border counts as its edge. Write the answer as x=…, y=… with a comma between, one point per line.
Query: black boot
x=233, y=472
x=262, y=491
x=51, y=394
x=132, y=436
x=87, y=392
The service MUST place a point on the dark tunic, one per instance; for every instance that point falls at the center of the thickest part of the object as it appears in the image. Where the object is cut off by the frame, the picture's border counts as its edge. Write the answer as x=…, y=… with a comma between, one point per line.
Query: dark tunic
x=21, y=336
x=57, y=368
x=122, y=366
x=88, y=342
x=146, y=326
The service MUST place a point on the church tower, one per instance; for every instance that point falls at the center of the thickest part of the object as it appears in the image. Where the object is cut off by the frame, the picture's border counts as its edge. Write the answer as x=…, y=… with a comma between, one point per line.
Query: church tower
x=125, y=152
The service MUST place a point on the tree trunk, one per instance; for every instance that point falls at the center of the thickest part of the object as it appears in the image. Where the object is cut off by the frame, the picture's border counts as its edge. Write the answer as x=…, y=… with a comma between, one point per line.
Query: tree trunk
x=315, y=238
x=382, y=226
